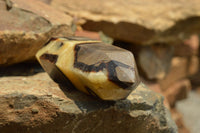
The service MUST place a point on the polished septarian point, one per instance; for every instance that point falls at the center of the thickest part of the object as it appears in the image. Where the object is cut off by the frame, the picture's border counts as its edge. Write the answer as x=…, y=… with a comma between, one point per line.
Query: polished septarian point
x=102, y=70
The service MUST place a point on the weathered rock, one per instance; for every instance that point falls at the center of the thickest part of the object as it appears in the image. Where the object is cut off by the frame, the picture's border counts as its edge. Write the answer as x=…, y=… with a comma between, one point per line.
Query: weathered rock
x=195, y=80
x=94, y=35
x=21, y=69
x=177, y=91
x=154, y=61
x=143, y=22
x=156, y=87
x=26, y=26
x=89, y=34
x=37, y=104
x=189, y=47
x=181, y=67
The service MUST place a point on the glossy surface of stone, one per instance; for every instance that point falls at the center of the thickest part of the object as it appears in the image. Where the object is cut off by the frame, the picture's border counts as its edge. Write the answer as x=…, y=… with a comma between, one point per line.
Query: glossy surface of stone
x=102, y=70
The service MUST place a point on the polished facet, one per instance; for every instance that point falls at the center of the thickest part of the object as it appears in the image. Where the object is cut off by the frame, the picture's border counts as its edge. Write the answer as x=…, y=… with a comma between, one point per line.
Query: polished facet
x=102, y=70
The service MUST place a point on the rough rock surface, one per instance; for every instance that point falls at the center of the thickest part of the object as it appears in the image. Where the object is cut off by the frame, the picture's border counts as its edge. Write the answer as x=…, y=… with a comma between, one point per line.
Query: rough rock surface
x=156, y=88
x=143, y=22
x=177, y=91
x=37, y=104
x=25, y=26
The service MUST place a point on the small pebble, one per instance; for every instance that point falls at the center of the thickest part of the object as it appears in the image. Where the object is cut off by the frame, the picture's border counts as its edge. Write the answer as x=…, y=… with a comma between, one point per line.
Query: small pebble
x=34, y=111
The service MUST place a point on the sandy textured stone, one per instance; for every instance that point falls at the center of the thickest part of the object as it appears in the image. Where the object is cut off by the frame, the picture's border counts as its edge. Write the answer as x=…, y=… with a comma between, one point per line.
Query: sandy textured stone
x=156, y=88
x=143, y=22
x=25, y=26
x=36, y=104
